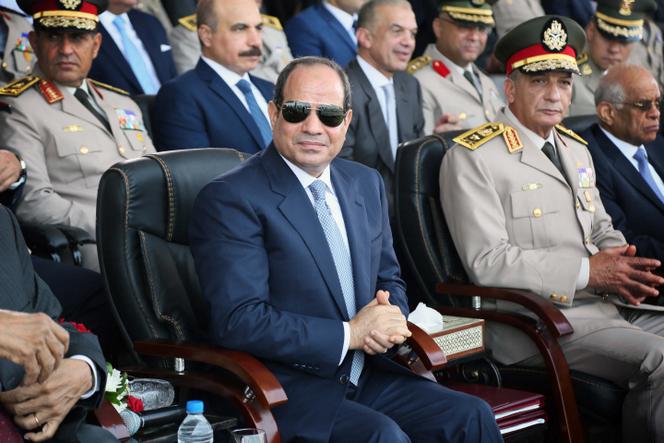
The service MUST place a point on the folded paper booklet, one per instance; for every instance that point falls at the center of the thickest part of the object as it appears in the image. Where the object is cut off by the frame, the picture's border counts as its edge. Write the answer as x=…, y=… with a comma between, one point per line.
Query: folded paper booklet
x=460, y=336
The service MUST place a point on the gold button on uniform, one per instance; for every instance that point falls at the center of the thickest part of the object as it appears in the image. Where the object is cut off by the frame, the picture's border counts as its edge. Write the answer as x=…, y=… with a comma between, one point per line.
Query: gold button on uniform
x=588, y=196
x=84, y=150
x=563, y=299
x=553, y=296
x=537, y=212
x=578, y=205
x=5, y=65
x=121, y=149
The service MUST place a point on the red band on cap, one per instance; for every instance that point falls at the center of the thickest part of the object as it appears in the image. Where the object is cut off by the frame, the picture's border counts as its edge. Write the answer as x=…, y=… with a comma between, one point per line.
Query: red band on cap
x=54, y=5
x=535, y=51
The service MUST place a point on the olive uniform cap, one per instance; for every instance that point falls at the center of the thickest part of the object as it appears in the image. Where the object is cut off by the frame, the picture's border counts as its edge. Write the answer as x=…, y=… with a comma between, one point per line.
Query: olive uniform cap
x=622, y=19
x=469, y=12
x=65, y=14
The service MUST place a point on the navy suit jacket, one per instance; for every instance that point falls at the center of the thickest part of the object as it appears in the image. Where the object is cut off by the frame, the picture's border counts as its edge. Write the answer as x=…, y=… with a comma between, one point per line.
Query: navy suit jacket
x=635, y=209
x=315, y=31
x=198, y=109
x=266, y=269
x=111, y=67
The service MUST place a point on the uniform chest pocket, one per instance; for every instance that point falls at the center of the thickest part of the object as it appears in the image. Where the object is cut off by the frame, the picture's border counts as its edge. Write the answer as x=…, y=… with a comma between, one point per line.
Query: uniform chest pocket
x=534, y=218
x=78, y=159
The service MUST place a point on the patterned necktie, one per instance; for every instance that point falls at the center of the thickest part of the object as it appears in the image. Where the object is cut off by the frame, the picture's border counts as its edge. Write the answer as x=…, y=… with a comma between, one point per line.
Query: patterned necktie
x=644, y=170
x=255, y=111
x=86, y=101
x=391, y=117
x=135, y=59
x=550, y=151
x=342, y=263
x=471, y=78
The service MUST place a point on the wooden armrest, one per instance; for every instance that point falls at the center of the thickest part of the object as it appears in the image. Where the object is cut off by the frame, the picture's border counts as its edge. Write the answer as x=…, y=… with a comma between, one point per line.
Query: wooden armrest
x=247, y=368
x=554, y=320
x=426, y=348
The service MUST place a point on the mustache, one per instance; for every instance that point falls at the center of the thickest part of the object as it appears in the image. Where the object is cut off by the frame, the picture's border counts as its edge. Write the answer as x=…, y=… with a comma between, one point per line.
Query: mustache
x=255, y=51
x=302, y=138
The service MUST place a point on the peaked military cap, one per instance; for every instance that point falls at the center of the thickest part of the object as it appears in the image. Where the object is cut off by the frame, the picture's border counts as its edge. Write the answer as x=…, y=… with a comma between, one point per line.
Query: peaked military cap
x=541, y=44
x=65, y=14
x=469, y=12
x=622, y=19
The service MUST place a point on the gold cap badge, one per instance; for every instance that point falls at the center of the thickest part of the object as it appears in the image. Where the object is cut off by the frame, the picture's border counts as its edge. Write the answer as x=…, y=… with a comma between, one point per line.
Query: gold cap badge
x=554, y=37
x=626, y=7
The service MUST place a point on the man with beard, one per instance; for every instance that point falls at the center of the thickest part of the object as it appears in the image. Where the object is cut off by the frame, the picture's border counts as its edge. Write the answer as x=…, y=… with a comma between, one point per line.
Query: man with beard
x=218, y=103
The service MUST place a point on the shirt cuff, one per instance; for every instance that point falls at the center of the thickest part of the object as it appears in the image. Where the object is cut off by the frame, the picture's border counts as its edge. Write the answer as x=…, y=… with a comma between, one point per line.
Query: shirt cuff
x=95, y=379
x=584, y=274
x=344, y=350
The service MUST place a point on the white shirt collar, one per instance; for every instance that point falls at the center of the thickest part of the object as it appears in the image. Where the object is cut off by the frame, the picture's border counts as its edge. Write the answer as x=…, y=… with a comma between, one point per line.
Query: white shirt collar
x=376, y=78
x=230, y=77
x=536, y=139
x=342, y=16
x=84, y=86
x=627, y=149
x=307, y=179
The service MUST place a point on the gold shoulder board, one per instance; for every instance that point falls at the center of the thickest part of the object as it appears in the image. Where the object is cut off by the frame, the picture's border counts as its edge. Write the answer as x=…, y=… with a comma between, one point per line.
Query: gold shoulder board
x=18, y=87
x=476, y=137
x=583, y=58
x=272, y=22
x=189, y=22
x=109, y=87
x=571, y=134
x=418, y=63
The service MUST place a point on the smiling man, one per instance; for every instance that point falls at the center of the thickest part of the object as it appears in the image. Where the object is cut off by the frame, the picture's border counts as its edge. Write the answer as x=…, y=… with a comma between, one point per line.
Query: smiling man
x=386, y=99
x=521, y=203
x=218, y=104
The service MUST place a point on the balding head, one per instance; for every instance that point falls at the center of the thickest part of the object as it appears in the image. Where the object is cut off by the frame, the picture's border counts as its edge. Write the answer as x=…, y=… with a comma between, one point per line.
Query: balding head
x=627, y=103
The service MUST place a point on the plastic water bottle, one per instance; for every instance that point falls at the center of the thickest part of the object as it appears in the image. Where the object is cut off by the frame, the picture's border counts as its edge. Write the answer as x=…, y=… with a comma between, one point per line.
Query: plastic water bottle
x=195, y=428
x=153, y=392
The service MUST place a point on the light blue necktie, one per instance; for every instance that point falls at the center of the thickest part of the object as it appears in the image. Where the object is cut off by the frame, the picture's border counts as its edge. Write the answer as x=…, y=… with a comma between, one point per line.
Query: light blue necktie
x=135, y=59
x=255, y=111
x=644, y=170
x=391, y=117
x=342, y=262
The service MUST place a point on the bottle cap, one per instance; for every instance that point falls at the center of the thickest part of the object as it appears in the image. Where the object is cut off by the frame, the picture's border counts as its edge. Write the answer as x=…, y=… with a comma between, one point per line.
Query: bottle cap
x=195, y=407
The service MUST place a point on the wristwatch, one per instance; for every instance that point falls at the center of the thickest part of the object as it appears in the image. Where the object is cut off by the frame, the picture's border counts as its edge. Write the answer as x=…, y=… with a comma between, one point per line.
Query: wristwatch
x=22, y=176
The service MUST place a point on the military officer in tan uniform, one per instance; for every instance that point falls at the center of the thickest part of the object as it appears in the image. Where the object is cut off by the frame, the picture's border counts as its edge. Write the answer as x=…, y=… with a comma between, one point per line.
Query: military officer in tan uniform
x=455, y=93
x=275, y=51
x=612, y=33
x=510, y=13
x=17, y=56
x=648, y=52
x=521, y=203
x=68, y=129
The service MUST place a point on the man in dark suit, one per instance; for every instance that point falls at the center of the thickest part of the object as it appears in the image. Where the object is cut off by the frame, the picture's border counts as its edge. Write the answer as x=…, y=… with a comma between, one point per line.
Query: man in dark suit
x=326, y=29
x=387, y=101
x=628, y=155
x=310, y=282
x=135, y=54
x=49, y=374
x=218, y=103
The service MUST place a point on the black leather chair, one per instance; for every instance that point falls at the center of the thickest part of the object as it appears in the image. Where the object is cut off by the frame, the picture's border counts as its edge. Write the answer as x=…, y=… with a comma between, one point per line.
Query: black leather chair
x=143, y=211
x=429, y=256
x=579, y=123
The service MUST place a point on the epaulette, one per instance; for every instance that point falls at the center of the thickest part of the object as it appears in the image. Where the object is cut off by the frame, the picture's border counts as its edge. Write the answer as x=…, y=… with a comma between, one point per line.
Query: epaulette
x=50, y=92
x=18, y=87
x=582, y=63
x=418, y=63
x=109, y=87
x=189, y=22
x=571, y=134
x=272, y=22
x=476, y=137
x=440, y=68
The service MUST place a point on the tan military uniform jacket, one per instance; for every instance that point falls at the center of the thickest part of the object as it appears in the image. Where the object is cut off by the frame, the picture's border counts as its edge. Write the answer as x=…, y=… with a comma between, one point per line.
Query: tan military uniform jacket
x=66, y=149
x=453, y=93
x=18, y=59
x=583, y=91
x=517, y=222
x=648, y=52
x=509, y=13
x=276, y=53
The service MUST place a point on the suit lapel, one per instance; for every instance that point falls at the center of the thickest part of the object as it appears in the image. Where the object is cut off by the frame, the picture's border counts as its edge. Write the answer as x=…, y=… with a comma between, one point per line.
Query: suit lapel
x=300, y=213
x=337, y=27
x=114, y=55
x=568, y=164
x=461, y=82
x=72, y=106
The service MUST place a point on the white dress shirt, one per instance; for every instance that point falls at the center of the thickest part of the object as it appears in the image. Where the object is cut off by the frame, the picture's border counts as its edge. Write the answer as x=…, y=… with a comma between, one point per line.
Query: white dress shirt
x=344, y=18
x=377, y=80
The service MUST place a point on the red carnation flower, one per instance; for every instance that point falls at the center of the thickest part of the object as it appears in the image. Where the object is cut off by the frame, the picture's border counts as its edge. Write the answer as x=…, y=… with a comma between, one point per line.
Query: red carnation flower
x=135, y=404
x=80, y=327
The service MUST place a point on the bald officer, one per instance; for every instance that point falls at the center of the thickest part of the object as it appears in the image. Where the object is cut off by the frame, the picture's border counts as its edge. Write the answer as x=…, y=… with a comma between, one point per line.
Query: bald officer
x=520, y=199
x=67, y=128
x=455, y=93
x=16, y=53
x=612, y=33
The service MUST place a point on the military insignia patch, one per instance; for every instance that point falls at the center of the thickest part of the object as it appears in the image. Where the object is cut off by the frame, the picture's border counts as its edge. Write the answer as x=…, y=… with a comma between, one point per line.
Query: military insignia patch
x=554, y=36
x=571, y=134
x=50, y=92
x=128, y=119
x=272, y=22
x=189, y=22
x=477, y=2
x=586, y=179
x=109, y=87
x=70, y=4
x=440, y=68
x=475, y=138
x=512, y=139
x=626, y=7
x=418, y=63
x=23, y=45
x=18, y=87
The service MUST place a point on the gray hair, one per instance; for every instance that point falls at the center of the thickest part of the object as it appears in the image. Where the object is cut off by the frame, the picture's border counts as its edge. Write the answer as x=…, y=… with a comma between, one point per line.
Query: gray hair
x=366, y=17
x=206, y=14
x=610, y=89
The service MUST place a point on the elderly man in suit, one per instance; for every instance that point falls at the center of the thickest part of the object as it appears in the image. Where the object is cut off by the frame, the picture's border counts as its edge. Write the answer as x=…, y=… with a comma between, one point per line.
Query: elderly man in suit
x=628, y=154
x=386, y=99
x=17, y=56
x=311, y=284
x=67, y=128
x=135, y=54
x=521, y=203
x=219, y=103
x=325, y=29
x=50, y=375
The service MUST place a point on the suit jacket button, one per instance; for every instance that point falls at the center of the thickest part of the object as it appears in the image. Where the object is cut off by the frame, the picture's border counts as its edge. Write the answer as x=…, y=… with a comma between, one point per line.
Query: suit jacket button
x=343, y=379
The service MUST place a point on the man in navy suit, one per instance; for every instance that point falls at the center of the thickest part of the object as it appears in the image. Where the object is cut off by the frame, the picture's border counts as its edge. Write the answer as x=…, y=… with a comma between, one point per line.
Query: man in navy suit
x=218, y=103
x=294, y=254
x=628, y=155
x=135, y=54
x=326, y=30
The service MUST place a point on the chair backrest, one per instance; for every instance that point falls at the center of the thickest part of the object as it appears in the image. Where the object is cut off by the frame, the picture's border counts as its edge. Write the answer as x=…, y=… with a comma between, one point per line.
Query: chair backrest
x=422, y=236
x=579, y=123
x=143, y=212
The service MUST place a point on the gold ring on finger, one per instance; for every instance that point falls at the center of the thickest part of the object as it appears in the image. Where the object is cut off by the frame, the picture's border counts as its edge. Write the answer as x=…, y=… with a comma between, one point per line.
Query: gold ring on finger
x=34, y=415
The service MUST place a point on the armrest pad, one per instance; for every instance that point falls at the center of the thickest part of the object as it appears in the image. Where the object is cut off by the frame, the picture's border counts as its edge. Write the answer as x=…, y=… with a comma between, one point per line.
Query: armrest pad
x=554, y=320
x=426, y=348
x=247, y=368
x=44, y=237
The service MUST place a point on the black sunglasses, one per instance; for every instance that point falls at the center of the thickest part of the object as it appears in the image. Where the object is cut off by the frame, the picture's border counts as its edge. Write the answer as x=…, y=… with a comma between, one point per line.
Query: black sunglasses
x=296, y=112
x=644, y=105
